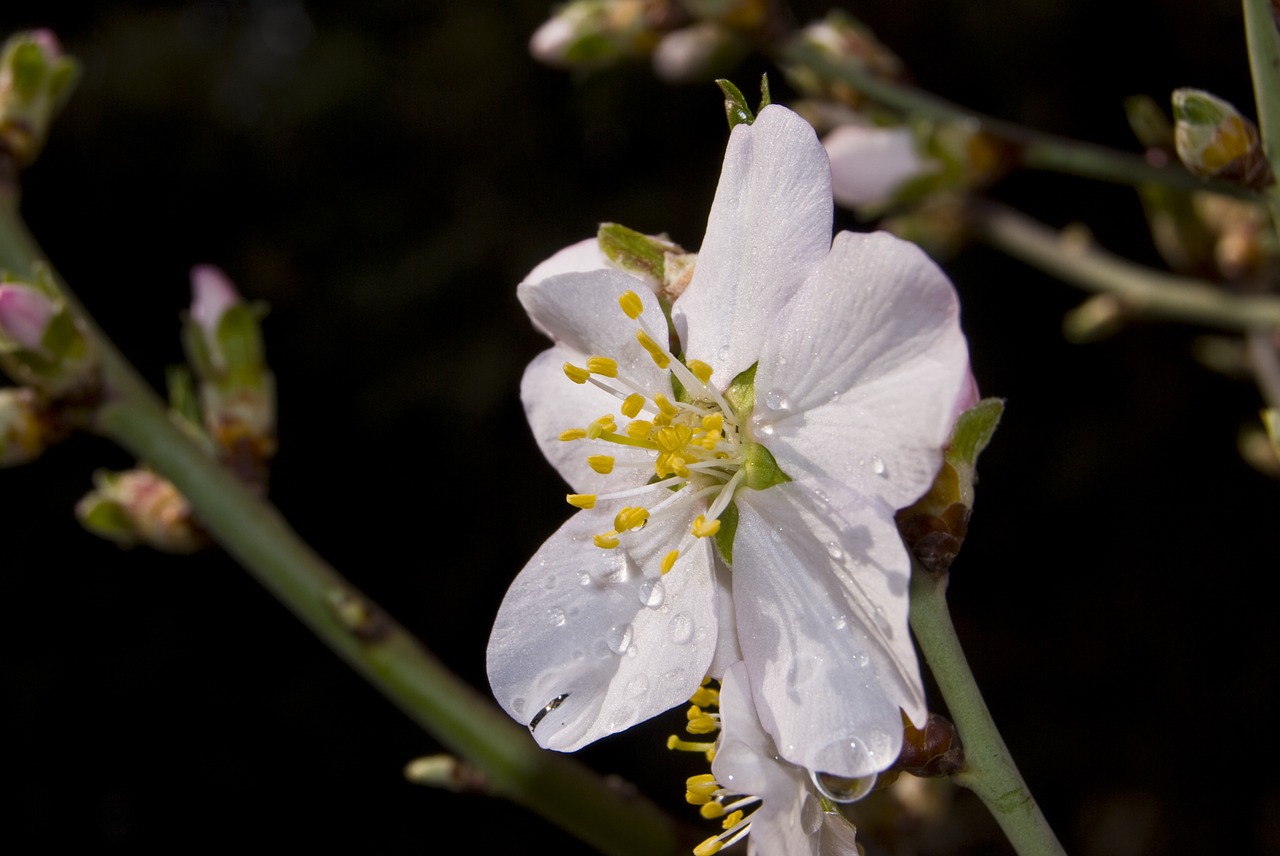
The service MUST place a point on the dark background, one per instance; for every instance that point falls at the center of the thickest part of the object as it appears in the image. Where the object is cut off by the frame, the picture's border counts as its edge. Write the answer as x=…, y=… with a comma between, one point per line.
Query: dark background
x=383, y=174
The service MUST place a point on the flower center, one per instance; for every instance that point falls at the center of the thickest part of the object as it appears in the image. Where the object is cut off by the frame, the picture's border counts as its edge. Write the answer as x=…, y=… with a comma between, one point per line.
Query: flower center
x=696, y=442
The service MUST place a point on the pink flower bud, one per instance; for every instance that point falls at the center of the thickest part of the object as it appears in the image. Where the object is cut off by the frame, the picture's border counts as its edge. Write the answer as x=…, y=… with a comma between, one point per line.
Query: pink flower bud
x=212, y=294
x=24, y=315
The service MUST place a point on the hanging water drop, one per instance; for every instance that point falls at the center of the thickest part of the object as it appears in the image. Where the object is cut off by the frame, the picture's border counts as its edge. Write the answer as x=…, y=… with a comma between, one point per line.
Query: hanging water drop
x=618, y=638
x=652, y=593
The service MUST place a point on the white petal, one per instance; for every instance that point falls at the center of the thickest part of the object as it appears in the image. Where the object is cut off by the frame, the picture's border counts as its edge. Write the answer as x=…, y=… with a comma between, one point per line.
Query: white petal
x=820, y=589
x=553, y=403
x=867, y=364
x=581, y=257
x=603, y=631
x=727, y=650
x=869, y=163
x=770, y=226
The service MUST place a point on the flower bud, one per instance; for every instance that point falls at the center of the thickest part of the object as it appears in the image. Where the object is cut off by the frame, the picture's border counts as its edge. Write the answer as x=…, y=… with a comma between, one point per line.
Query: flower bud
x=35, y=81
x=591, y=34
x=869, y=164
x=42, y=344
x=843, y=38
x=1215, y=141
x=697, y=52
x=223, y=341
x=25, y=314
x=140, y=507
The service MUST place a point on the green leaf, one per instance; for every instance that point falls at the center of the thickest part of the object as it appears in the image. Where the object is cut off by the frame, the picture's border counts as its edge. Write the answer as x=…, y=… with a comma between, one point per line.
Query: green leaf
x=735, y=105
x=632, y=251
x=974, y=430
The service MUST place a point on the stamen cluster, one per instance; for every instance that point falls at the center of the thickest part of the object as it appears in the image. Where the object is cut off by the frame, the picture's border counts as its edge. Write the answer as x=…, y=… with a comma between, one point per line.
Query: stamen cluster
x=695, y=440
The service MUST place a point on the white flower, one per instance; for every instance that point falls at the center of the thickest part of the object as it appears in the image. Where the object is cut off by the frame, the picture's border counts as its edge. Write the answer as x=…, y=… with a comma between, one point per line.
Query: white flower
x=869, y=164
x=779, y=804
x=818, y=385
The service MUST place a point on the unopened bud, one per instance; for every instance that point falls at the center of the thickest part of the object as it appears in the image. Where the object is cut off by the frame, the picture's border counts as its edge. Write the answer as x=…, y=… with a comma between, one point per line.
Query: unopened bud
x=140, y=507
x=698, y=52
x=591, y=34
x=1215, y=141
x=25, y=313
x=35, y=81
x=23, y=426
x=870, y=164
x=842, y=38
x=42, y=344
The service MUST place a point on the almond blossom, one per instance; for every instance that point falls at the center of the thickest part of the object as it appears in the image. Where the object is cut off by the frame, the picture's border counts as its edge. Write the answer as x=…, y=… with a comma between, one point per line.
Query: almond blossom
x=737, y=469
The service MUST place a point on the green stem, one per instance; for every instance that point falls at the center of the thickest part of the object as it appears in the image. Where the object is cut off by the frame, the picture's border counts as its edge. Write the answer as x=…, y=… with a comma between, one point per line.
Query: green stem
x=1141, y=289
x=1264, y=64
x=989, y=769
x=1037, y=150
x=382, y=651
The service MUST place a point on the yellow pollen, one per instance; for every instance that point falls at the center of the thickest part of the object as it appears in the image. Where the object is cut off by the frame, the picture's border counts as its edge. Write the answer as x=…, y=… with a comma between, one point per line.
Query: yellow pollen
x=712, y=810
x=705, y=697
x=700, y=370
x=606, y=366
x=632, y=405
x=640, y=429
x=576, y=373
x=606, y=540
x=665, y=406
x=631, y=304
x=581, y=500
x=702, y=528
x=673, y=438
x=631, y=518
x=710, y=846
x=573, y=434
x=732, y=820
x=669, y=561
x=659, y=356
x=603, y=464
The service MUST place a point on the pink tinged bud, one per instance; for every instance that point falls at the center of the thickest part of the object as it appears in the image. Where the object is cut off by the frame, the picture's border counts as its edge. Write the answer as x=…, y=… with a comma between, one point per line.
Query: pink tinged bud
x=869, y=164
x=212, y=294
x=550, y=43
x=24, y=315
x=48, y=43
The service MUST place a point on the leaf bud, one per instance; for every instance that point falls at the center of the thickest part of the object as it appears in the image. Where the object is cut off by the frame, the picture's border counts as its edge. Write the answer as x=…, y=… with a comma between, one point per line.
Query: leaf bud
x=1215, y=141
x=36, y=79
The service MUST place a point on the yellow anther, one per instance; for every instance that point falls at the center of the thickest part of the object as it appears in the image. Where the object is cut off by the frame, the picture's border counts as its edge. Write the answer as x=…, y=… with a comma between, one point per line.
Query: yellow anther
x=703, y=783
x=734, y=818
x=705, y=697
x=576, y=374
x=603, y=464
x=669, y=463
x=702, y=725
x=631, y=518
x=696, y=799
x=710, y=846
x=702, y=528
x=581, y=500
x=700, y=370
x=606, y=540
x=713, y=422
x=640, y=429
x=712, y=810
x=674, y=742
x=631, y=304
x=600, y=426
x=665, y=406
x=606, y=366
x=669, y=561
x=659, y=356
x=632, y=405
x=573, y=434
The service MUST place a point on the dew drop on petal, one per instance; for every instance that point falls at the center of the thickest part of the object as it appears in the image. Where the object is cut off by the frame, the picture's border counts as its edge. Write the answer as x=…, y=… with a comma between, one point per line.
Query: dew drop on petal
x=775, y=400
x=839, y=622
x=838, y=789
x=862, y=660
x=618, y=638
x=723, y=353
x=556, y=614
x=638, y=686
x=652, y=593
x=584, y=579
x=877, y=466
x=834, y=551
x=517, y=706
x=680, y=628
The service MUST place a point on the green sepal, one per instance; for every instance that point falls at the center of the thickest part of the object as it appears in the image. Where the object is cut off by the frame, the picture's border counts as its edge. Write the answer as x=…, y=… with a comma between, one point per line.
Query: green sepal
x=741, y=393
x=240, y=340
x=184, y=401
x=106, y=519
x=728, y=528
x=761, y=468
x=765, y=98
x=633, y=251
x=62, y=338
x=974, y=430
x=28, y=67
x=735, y=105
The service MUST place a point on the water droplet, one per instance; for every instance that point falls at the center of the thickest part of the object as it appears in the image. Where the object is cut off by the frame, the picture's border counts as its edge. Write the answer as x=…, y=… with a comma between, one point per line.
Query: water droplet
x=680, y=628
x=775, y=535
x=723, y=353
x=584, y=579
x=775, y=400
x=782, y=361
x=556, y=614
x=652, y=593
x=862, y=660
x=835, y=394
x=877, y=466
x=618, y=638
x=834, y=551
x=638, y=686
x=839, y=622
x=838, y=789
x=763, y=429
x=517, y=706
x=883, y=622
